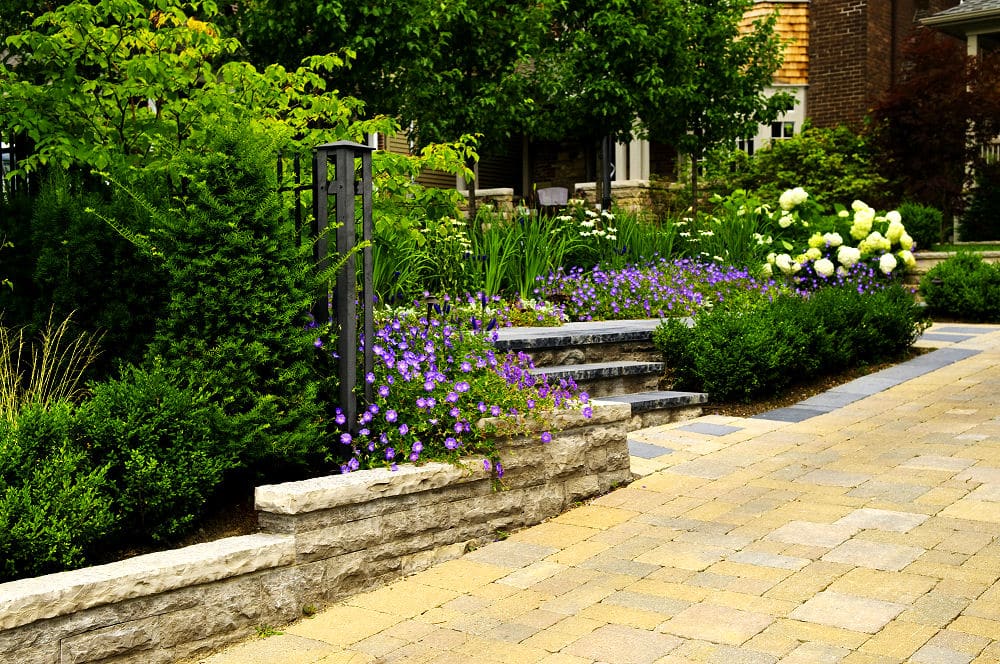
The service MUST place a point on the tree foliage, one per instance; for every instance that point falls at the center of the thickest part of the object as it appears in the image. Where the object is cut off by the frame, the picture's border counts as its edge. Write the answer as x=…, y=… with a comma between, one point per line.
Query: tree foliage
x=933, y=120
x=726, y=69
x=116, y=82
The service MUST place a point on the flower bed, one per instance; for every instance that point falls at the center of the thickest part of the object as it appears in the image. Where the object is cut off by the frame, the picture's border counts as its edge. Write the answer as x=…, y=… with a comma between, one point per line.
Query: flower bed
x=322, y=539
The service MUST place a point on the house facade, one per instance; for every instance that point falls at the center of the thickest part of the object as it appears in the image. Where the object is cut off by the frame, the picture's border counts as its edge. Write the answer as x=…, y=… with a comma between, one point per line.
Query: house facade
x=840, y=57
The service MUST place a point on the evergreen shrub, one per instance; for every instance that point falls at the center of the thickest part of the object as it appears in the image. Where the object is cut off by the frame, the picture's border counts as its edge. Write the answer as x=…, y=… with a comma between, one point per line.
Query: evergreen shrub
x=738, y=353
x=964, y=287
x=923, y=223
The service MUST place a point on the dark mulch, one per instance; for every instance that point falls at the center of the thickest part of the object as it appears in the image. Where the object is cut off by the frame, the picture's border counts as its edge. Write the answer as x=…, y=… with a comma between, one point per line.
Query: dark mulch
x=804, y=390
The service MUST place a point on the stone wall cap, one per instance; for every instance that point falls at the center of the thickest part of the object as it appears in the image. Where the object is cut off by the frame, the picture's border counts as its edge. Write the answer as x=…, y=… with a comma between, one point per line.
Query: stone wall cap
x=28, y=600
x=361, y=486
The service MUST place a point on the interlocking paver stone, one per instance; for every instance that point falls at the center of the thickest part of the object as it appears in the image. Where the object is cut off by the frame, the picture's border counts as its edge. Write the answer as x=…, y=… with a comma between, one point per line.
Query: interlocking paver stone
x=900, y=522
x=508, y=553
x=624, y=645
x=826, y=477
x=815, y=653
x=932, y=654
x=763, y=559
x=720, y=624
x=876, y=555
x=813, y=534
x=937, y=462
x=858, y=614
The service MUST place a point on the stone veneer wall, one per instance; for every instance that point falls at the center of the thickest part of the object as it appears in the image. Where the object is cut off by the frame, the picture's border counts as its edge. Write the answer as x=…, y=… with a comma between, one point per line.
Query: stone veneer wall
x=632, y=195
x=322, y=539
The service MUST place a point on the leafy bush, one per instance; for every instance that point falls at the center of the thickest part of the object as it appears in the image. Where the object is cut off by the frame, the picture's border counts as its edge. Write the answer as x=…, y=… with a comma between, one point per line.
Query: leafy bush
x=738, y=353
x=865, y=328
x=836, y=163
x=923, y=223
x=980, y=220
x=168, y=449
x=55, y=503
x=965, y=287
x=741, y=352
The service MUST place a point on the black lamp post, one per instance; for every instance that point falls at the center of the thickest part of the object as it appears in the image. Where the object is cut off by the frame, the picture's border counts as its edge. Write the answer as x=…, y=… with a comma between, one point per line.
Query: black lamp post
x=344, y=188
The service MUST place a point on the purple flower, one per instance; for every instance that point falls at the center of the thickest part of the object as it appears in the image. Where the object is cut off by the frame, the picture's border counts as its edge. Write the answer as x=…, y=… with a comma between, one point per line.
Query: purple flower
x=452, y=397
x=461, y=386
x=418, y=447
x=369, y=377
x=390, y=454
x=450, y=443
x=345, y=439
x=546, y=437
x=588, y=412
x=487, y=466
x=340, y=419
x=403, y=429
x=390, y=416
x=383, y=391
x=499, y=469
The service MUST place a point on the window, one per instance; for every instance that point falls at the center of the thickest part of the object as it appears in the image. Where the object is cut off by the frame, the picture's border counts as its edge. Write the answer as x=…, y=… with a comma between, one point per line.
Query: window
x=782, y=130
x=746, y=145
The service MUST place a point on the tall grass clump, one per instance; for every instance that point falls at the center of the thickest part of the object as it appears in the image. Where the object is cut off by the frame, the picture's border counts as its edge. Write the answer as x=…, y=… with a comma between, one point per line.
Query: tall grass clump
x=46, y=370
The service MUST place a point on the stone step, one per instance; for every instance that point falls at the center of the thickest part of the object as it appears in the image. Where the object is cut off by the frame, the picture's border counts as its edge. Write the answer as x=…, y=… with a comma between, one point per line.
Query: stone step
x=606, y=378
x=611, y=361
x=650, y=409
x=582, y=343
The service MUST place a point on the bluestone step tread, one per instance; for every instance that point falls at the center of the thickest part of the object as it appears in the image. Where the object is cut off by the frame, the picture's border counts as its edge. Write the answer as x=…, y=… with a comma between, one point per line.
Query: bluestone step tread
x=600, y=369
x=646, y=401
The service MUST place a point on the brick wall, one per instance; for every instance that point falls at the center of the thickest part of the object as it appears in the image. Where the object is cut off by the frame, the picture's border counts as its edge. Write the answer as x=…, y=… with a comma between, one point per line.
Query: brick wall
x=854, y=53
x=837, y=61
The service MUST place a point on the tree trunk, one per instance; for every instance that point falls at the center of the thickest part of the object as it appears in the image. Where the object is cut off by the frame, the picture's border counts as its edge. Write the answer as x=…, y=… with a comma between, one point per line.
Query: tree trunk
x=694, y=185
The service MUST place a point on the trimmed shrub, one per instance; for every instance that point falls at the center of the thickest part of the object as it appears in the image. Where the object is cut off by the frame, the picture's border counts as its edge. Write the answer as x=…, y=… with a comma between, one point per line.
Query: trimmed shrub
x=55, y=503
x=168, y=449
x=739, y=353
x=923, y=223
x=964, y=287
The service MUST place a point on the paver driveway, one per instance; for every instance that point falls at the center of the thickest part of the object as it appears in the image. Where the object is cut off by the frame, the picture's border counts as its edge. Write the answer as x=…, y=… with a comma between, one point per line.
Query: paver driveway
x=860, y=527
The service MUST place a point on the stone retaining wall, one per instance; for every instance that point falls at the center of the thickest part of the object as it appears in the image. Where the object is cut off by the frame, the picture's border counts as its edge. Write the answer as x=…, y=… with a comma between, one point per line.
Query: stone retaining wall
x=634, y=195
x=321, y=540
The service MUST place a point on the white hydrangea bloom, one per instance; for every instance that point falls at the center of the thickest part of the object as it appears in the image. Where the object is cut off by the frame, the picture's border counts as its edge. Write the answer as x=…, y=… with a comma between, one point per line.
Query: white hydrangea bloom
x=906, y=242
x=893, y=217
x=865, y=215
x=817, y=240
x=908, y=258
x=813, y=254
x=848, y=256
x=858, y=205
x=786, y=220
x=887, y=263
x=792, y=198
x=833, y=239
x=785, y=263
x=895, y=231
x=824, y=267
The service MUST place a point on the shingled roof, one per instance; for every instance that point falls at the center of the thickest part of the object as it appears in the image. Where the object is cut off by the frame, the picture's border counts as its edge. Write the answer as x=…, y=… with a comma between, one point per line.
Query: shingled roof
x=970, y=16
